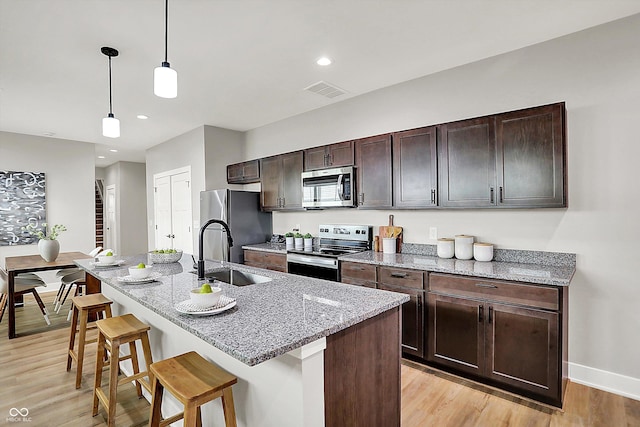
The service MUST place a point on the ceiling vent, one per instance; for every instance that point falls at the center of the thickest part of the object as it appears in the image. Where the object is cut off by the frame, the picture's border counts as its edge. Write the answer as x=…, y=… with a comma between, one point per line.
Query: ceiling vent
x=325, y=89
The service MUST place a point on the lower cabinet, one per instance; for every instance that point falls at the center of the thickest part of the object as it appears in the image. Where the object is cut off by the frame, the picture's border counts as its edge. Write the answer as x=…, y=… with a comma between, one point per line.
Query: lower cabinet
x=511, y=335
x=411, y=282
x=266, y=260
x=355, y=273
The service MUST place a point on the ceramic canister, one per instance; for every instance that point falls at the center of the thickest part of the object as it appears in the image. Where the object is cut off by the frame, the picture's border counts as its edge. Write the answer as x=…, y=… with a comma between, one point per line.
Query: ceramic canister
x=464, y=246
x=446, y=248
x=483, y=251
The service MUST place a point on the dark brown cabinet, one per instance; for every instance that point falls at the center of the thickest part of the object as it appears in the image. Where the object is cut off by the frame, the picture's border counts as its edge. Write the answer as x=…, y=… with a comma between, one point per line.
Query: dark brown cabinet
x=281, y=182
x=243, y=173
x=359, y=274
x=512, y=160
x=531, y=157
x=510, y=334
x=374, y=178
x=415, y=168
x=267, y=260
x=329, y=156
x=409, y=282
x=467, y=163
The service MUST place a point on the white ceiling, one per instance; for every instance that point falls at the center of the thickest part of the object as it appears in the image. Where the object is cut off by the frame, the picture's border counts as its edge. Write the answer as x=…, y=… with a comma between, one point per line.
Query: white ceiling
x=243, y=63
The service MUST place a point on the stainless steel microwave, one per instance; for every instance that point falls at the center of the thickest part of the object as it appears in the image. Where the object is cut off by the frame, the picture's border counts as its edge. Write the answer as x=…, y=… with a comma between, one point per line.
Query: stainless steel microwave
x=329, y=188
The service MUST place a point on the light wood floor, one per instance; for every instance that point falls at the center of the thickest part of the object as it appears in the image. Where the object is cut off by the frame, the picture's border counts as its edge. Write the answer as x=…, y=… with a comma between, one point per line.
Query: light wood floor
x=33, y=376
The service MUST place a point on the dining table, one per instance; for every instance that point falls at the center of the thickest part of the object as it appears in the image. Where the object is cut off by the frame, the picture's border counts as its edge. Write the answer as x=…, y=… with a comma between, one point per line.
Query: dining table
x=15, y=265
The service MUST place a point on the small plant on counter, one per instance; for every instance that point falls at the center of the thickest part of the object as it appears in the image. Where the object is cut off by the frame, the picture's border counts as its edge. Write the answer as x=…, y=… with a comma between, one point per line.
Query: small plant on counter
x=298, y=236
x=308, y=236
x=289, y=234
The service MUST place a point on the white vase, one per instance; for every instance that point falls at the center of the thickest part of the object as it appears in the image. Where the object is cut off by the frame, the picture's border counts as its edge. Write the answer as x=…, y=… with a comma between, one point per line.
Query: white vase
x=299, y=242
x=49, y=249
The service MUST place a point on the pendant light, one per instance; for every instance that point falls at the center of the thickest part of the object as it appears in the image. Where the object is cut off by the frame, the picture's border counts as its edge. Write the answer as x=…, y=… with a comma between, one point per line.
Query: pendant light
x=165, y=78
x=110, y=125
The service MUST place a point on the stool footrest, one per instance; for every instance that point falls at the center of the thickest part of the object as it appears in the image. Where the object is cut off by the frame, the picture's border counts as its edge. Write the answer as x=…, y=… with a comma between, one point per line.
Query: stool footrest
x=102, y=397
x=172, y=419
x=137, y=377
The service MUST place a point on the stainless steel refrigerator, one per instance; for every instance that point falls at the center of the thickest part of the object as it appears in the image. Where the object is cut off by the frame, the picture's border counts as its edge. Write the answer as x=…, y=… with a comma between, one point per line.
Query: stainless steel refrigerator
x=241, y=211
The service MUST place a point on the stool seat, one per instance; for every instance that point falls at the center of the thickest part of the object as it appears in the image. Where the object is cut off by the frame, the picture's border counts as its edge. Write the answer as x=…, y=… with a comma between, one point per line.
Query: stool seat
x=112, y=333
x=82, y=306
x=194, y=381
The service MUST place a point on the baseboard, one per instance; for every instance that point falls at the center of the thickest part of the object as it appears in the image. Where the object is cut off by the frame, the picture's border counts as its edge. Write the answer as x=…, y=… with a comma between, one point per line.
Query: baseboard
x=605, y=380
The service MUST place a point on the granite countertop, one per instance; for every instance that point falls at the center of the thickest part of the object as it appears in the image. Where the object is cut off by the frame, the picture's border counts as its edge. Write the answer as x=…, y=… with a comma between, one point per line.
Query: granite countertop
x=269, y=319
x=538, y=273
x=278, y=248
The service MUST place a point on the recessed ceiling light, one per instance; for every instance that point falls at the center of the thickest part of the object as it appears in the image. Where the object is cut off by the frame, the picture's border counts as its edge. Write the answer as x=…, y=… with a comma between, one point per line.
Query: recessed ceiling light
x=101, y=157
x=324, y=61
x=142, y=117
x=113, y=150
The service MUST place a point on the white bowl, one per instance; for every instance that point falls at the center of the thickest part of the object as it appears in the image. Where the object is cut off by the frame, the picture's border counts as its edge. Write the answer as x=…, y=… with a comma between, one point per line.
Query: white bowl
x=140, y=273
x=106, y=260
x=205, y=300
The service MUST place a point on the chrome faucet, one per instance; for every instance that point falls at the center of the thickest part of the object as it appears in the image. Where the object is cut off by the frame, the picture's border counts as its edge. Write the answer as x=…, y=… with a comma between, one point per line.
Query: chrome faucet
x=200, y=245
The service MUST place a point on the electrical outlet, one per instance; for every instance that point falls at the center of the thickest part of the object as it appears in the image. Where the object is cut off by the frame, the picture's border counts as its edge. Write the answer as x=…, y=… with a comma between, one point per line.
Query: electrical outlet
x=433, y=233
x=297, y=227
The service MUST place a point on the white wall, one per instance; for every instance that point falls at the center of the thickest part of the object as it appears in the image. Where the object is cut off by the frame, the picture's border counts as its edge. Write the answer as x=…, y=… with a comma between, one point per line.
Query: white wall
x=221, y=147
x=69, y=168
x=184, y=150
x=597, y=73
x=130, y=183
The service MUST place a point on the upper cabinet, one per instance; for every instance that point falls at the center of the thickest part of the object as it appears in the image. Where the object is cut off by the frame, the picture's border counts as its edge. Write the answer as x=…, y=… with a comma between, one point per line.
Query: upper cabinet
x=329, y=156
x=415, y=183
x=281, y=182
x=511, y=160
x=531, y=157
x=243, y=173
x=467, y=163
x=373, y=166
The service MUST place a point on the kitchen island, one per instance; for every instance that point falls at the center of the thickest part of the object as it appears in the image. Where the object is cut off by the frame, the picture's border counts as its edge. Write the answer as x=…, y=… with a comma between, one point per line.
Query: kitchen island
x=306, y=352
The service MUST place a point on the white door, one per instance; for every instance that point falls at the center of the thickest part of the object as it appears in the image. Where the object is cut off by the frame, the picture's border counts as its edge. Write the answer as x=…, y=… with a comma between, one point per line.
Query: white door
x=111, y=232
x=173, y=213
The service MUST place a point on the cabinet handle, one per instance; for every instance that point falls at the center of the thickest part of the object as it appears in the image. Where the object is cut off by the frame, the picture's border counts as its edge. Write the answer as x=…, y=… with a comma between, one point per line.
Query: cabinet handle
x=283, y=202
x=480, y=313
x=398, y=275
x=500, y=194
x=491, y=192
x=330, y=159
x=486, y=285
x=490, y=313
x=361, y=199
x=433, y=197
x=419, y=300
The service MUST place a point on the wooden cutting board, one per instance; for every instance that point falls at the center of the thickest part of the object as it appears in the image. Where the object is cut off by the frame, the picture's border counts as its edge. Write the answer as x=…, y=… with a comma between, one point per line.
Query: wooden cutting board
x=390, y=230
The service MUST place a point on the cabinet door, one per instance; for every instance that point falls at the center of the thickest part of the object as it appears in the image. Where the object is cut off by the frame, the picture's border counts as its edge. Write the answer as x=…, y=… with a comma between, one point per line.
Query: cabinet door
x=340, y=154
x=235, y=173
x=292, y=180
x=358, y=274
x=414, y=168
x=412, y=320
x=271, y=183
x=522, y=349
x=315, y=158
x=373, y=162
x=243, y=173
x=467, y=163
x=456, y=333
x=531, y=157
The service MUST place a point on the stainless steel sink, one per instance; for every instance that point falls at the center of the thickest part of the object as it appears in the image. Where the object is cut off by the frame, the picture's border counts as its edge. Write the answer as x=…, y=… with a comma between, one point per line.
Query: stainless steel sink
x=236, y=278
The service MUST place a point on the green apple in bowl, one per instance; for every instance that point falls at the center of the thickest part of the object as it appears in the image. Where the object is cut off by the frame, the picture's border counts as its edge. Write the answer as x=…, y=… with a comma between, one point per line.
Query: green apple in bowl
x=140, y=271
x=205, y=296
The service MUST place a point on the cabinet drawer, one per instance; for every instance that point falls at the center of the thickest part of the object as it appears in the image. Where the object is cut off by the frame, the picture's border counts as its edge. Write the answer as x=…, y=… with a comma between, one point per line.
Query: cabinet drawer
x=495, y=290
x=401, y=277
x=357, y=271
x=265, y=260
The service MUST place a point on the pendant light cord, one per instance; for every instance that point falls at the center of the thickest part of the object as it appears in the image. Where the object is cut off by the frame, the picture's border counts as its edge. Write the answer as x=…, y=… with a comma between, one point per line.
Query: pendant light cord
x=166, y=28
x=110, y=101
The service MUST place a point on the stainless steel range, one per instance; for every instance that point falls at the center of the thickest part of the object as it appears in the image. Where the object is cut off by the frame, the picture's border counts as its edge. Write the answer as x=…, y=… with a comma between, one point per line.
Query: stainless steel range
x=334, y=240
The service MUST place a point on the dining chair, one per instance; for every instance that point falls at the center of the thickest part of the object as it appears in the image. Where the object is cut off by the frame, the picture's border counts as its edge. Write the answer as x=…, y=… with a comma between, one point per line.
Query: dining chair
x=23, y=284
x=57, y=301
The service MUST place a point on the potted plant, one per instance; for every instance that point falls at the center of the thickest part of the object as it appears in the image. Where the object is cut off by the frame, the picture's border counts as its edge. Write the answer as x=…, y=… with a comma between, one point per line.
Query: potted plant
x=308, y=241
x=48, y=245
x=289, y=238
x=299, y=241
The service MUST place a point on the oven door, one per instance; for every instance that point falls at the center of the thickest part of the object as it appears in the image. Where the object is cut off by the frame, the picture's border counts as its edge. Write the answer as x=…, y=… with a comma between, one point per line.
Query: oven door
x=328, y=188
x=313, y=266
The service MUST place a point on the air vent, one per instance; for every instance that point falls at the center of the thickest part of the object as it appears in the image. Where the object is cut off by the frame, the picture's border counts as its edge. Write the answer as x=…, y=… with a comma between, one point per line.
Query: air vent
x=325, y=89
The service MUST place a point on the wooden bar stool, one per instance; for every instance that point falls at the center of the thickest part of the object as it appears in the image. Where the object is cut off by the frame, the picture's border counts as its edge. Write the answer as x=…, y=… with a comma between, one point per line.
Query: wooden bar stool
x=83, y=306
x=193, y=381
x=112, y=333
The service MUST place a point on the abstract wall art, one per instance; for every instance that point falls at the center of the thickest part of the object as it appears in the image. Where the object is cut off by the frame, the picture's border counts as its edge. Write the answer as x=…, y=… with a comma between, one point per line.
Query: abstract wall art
x=22, y=202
